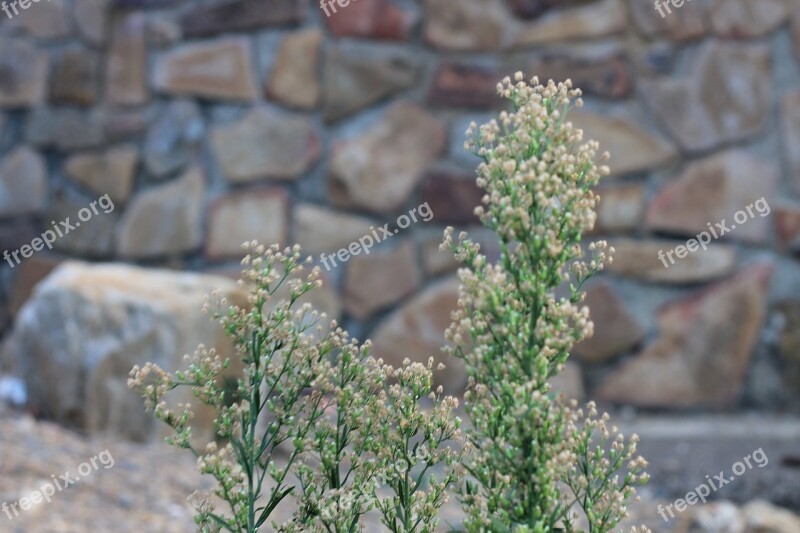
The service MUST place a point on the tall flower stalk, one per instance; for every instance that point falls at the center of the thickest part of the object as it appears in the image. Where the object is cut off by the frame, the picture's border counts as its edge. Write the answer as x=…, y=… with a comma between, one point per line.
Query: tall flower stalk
x=539, y=462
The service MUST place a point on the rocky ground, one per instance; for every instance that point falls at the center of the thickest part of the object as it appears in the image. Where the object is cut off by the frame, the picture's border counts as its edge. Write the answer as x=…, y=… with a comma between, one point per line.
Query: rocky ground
x=147, y=487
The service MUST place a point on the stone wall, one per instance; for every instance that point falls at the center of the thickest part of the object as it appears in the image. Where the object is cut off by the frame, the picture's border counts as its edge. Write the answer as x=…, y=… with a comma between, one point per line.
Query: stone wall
x=210, y=123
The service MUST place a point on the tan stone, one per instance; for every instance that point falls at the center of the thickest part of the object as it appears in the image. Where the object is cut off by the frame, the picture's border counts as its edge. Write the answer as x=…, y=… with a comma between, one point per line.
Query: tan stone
x=23, y=183
x=110, y=172
x=24, y=78
x=265, y=144
x=126, y=67
x=45, y=20
x=726, y=96
x=92, y=19
x=77, y=338
x=416, y=331
x=688, y=22
x=640, y=259
x=378, y=170
x=743, y=19
x=601, y=19
x=615, y=328
x=468, y=24
x=380, y=279
x=621, y=208
x=293, y=80
x=319, y=229
x=220, y=69
x=246, y=216
x=715, y=189
x=164, y=220
x=632, y=147
x=357, y=75
x=703, y=352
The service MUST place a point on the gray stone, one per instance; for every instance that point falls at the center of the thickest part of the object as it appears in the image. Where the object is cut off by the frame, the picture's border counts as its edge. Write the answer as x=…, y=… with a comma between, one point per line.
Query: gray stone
x=174, y=140
x=23, y=183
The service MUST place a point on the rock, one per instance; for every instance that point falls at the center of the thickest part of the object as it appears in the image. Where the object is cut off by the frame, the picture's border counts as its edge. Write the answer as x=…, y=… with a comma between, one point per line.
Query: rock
x=163, y=32
x=319, y=229
x=110, y=172
x=75, y=77
x=122, y=124
x=787, y=313
x=607, y=77
x=796, y=33
x=293, y=80
x=378, y=170
x=464, y=85
x=126, y=67
x=703, y=352
x=452, y=198
x=378, y=280
x=738, y=19
x=716, y=189
x=468, y=25
x=23, y=183
x=632, y=147
x=261, y=215
x=51, y=21
x=14, y=234
x=371, y=19
x=787, y=226
x=23, y=73
x=688, y=22
x=599, y=19
x=241, y=16
x=763, y=516
x=164, y=220
x=102, y=320
x=174, y=139
x=569, y=382
x=217, y=70
x=713, y=105
x=790, y=123
x=416, y=331
x=92, y=20
x=64, y=128
x=641, y=260
x=92, y=234
x=621, y=208
x=265, y=143
x=28, y=275
x=357, y=75
x=615, y=328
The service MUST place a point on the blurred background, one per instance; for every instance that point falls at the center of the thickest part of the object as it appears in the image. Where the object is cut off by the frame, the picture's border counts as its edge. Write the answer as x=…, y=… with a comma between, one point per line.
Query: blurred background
x=150, y=138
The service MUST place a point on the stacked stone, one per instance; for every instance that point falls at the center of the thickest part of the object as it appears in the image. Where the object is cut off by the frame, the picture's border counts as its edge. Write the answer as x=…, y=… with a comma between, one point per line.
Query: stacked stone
x=213, y=123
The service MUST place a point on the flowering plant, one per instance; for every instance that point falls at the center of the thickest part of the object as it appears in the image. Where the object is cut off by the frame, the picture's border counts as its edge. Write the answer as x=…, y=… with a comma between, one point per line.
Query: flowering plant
x=537, y=458
x=309, y=418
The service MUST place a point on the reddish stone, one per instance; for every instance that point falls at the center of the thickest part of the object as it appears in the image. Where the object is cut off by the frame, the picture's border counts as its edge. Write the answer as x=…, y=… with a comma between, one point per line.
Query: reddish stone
x=373, y=19
x=27, y=276
x=787, y=226
x=241, y=15
x=462, y=85
x=452, y=198
x=609, y=77
x=703, y=352
x=530, y=9
x=616, y=330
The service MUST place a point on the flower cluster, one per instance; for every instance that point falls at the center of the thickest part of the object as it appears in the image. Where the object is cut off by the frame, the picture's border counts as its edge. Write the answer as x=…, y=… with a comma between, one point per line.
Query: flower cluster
x=311, y=418
x=537, y=460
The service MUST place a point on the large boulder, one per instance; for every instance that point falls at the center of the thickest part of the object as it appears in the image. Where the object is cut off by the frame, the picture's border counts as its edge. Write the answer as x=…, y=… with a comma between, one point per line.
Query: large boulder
x=77, y=337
